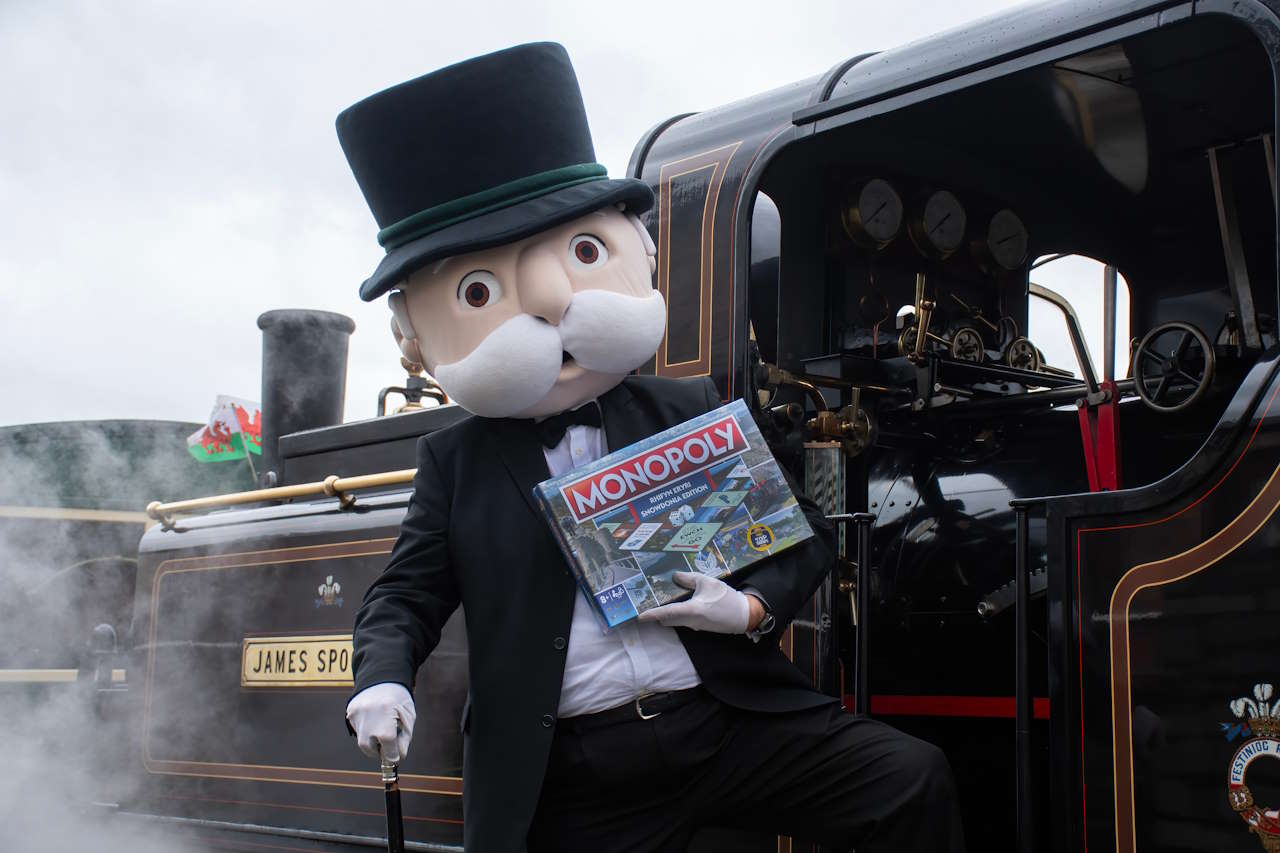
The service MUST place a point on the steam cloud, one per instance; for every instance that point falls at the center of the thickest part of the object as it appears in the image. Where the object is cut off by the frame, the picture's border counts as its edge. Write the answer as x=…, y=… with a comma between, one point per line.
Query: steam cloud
x=64, y=764
x=53, y=796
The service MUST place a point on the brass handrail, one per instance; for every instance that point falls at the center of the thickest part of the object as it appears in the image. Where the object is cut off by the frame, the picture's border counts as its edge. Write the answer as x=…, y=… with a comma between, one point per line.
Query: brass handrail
x=333, y=486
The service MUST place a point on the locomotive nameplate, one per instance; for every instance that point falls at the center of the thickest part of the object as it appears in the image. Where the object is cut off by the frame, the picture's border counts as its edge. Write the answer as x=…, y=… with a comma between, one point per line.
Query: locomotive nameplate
x=309, y=661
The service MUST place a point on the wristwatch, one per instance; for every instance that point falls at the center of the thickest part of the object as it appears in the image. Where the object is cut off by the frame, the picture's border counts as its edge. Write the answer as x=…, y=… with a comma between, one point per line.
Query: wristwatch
x=765, y=626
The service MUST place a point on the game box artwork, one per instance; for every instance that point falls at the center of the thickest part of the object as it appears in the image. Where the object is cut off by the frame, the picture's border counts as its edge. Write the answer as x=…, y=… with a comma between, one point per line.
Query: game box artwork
x=705, y=496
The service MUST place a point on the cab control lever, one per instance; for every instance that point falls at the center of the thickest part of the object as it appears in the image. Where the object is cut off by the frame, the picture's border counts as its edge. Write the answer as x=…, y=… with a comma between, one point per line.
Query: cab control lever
x=924, y=313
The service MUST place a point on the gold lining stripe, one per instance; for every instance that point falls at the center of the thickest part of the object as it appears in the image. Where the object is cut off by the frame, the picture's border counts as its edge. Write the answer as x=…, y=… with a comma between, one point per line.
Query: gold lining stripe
x=713, y=190
x=49, y=676
x=411, y=782
x=1155, y=573
x=61, y=513
x=716, y=159
x=1192, y=561
x=37, y=676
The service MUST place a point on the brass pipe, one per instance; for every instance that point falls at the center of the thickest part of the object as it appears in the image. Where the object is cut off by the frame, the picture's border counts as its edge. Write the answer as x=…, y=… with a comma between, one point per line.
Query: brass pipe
x=333, y=486
x=845, y=384
x=819, y=402
x=772, y=375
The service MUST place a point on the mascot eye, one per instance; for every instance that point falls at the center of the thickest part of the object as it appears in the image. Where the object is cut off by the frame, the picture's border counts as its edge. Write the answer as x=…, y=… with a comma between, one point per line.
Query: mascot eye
x=586, y=250
x=478, y=288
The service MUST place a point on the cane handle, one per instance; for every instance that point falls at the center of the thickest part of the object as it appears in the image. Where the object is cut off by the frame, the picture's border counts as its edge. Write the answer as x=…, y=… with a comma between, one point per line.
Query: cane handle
x=389, y=768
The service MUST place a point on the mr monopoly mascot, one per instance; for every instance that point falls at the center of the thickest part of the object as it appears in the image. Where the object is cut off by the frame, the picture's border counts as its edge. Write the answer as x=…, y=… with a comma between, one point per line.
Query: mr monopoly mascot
x=519, y=275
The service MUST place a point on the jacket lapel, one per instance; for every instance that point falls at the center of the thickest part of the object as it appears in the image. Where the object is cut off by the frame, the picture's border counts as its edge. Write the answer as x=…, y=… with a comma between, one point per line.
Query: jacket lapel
x=625, y=420
x=521, y=453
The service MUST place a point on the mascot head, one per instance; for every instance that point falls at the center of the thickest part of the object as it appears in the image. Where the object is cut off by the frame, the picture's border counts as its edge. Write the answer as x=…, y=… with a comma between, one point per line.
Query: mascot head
x=516, y=271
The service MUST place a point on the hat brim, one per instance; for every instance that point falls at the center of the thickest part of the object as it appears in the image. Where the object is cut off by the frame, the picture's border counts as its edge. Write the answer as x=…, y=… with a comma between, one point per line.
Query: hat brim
x=505, y=226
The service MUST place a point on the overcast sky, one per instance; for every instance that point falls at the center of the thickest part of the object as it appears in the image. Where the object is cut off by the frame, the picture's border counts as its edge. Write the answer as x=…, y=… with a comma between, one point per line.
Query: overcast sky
x=168, y=171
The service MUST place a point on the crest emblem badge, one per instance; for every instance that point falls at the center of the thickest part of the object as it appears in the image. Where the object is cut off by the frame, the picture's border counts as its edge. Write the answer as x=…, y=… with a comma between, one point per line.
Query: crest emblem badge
x=330, y=593
x=1258, y=722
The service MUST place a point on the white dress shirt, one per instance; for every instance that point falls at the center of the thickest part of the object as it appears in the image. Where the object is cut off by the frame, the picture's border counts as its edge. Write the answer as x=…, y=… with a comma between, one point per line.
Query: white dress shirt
x=605, y=669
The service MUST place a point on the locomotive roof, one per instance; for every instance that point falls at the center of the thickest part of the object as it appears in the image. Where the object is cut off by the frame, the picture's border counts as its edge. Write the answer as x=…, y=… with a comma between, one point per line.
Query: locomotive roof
x=930, y=61
x=984, y=42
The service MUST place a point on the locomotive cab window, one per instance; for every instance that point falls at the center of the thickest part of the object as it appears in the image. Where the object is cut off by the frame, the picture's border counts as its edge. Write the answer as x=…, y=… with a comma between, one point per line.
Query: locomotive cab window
x=1084, y=287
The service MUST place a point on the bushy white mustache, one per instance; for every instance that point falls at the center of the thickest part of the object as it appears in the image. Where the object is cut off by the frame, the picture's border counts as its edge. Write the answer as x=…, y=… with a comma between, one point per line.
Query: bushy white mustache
x=611, y=332
x=518, y=363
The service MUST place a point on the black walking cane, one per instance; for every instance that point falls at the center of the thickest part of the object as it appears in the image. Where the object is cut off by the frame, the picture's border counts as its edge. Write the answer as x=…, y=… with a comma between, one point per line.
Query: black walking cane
x=395, y=820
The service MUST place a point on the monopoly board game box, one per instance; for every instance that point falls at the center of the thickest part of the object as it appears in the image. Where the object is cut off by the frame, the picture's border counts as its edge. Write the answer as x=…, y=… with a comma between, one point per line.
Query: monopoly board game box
x=705, y=496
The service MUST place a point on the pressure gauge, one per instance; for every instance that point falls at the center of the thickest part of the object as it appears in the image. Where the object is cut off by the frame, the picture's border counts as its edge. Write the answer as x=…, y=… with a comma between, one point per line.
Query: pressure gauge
x=873, y=217
x=1006, y=242
x=938, y=227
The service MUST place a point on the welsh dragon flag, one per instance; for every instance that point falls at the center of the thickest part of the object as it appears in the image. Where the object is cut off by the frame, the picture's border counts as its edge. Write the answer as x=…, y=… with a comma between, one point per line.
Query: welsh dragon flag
x=235, y=426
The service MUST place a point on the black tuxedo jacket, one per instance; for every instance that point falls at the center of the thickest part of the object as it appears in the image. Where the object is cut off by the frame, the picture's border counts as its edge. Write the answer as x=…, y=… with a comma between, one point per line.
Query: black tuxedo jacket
x=518, y=595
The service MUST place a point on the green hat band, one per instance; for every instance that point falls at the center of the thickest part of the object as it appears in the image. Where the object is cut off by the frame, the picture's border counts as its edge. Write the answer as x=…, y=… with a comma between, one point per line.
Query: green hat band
x=432, y=219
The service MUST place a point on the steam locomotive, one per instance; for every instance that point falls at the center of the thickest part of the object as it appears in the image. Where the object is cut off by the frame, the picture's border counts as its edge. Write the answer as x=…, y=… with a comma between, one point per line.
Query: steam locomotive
x=1063, y=576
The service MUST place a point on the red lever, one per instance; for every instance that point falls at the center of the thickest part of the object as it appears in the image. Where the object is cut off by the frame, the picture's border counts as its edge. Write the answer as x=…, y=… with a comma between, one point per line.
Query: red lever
x=1100, y=435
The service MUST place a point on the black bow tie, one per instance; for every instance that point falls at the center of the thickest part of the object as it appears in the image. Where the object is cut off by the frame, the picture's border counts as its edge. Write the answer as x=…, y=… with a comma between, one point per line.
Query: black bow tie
x=551, y=430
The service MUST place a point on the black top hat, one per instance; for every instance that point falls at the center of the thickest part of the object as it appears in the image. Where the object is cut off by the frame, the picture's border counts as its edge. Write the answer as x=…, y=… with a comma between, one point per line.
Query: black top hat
x=476, y=155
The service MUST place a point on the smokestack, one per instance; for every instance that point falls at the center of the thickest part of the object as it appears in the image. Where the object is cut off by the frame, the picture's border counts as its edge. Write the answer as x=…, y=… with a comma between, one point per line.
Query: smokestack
x=304, y=377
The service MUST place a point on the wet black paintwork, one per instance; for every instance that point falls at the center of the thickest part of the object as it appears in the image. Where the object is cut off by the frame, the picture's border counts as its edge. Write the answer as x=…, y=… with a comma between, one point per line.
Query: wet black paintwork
x=939, y=483
x=1195, y=644
x=189, y=676
x=953, y=111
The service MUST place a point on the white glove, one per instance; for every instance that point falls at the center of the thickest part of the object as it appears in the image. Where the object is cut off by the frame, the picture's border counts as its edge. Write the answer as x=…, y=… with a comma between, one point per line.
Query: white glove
x=715, y=606
x=383, y=716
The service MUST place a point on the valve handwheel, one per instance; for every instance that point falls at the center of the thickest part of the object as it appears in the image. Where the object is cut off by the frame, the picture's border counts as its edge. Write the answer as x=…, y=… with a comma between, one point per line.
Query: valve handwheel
x=966, y=345
x=1173, y=366
x=907, y=341
x=1023, y=355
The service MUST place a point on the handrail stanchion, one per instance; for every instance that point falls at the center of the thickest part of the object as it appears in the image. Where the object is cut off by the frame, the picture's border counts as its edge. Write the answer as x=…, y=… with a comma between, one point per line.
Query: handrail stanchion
x=1022, y=688
x=862, y=690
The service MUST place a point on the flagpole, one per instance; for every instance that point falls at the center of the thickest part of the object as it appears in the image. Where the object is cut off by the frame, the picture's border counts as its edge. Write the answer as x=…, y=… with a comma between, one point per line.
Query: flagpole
x=244, y=442
x=248, y=457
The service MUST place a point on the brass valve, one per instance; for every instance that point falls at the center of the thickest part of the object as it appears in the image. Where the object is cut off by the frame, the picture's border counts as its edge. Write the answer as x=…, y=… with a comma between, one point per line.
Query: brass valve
x=851, y=425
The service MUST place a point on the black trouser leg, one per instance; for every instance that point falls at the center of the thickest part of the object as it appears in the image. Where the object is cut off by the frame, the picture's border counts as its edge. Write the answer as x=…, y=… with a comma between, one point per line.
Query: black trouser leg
x=820, y=775
x=626, y=787
x=844, y=781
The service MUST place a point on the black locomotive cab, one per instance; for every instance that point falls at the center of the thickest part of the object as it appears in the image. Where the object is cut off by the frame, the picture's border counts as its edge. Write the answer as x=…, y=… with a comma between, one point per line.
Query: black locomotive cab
x=905, y=259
